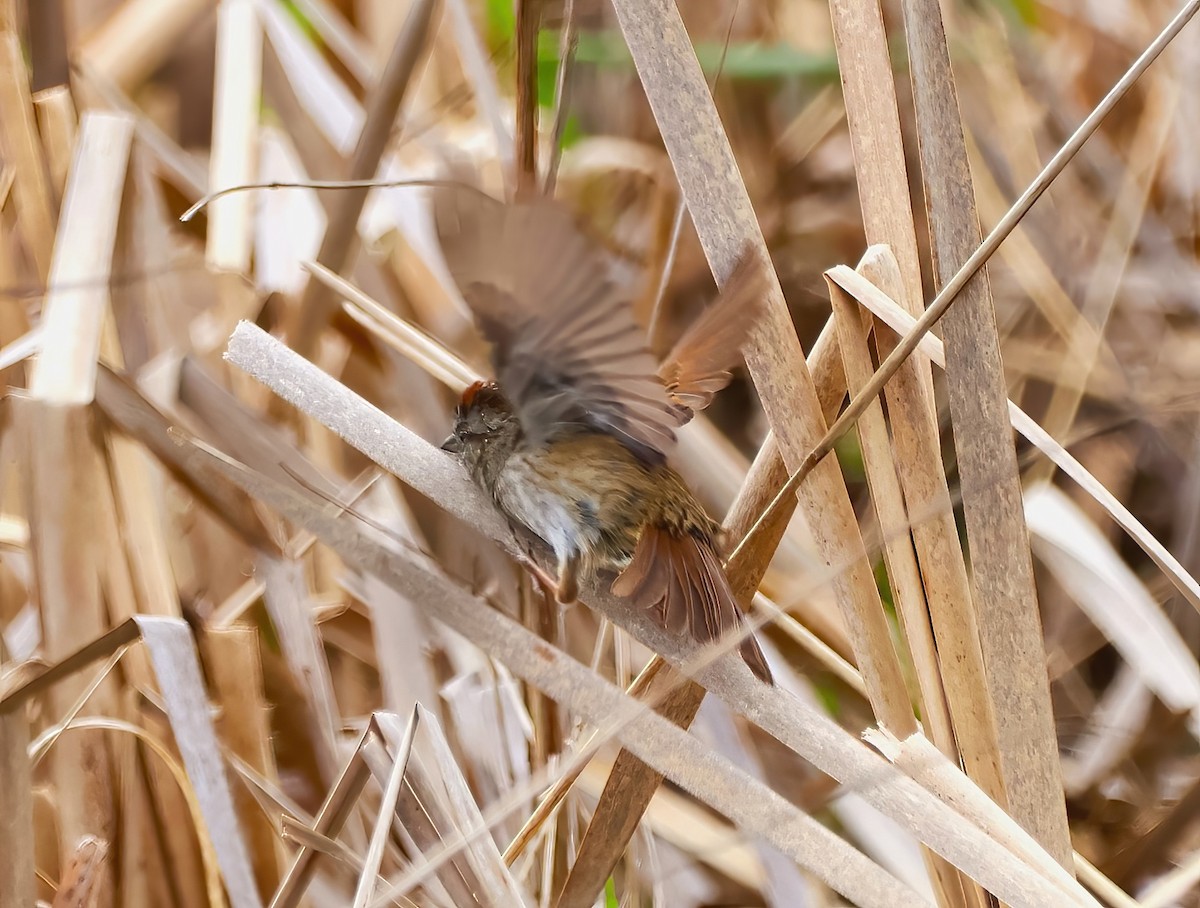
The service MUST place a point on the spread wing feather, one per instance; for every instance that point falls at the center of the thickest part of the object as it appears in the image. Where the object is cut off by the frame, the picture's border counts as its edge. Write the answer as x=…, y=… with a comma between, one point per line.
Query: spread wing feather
x=698, y=365
x=565, y=345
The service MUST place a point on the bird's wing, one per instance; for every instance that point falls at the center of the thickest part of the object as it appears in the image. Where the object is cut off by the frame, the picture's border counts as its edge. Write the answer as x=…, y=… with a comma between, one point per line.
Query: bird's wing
x=565, y=346
x=699, y=364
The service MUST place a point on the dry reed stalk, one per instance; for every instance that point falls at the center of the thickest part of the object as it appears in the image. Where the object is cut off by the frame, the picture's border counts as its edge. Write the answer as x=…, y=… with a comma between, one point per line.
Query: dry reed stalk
x=874, y=125
x=235, y=134
x=233, y=662
x=56, y=123
x=528, y=23
x=383, y=823
x=62, y=466
x=1005, y=596
x=725, y=223
x=177, y=669
x=138, y=37
x=887, y=498
x=22, y=149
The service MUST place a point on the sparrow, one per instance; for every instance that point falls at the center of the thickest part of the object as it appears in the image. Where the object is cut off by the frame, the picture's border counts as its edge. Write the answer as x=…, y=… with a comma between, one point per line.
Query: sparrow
x=572, y=437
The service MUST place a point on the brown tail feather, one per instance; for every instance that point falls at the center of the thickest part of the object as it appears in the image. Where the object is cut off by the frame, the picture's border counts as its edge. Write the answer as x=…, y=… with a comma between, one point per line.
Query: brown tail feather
x=681, y=578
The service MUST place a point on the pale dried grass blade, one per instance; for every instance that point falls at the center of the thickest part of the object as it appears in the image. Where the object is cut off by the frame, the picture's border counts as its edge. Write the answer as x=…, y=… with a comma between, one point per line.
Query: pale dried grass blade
x=1111, y=595
x=399, y=334
x=454, y=797
x=959, y=659
x=173, y=655
x=234, y=664
x=235, y=134
x=892, y=514
x=689, y=827
x=385, y=101
x=387, y=809
x=65, y=371
x=335, y=811
x=1009, y=623
x=57, y=126
x=62, y=475
x=923, y=762
x=289, y=603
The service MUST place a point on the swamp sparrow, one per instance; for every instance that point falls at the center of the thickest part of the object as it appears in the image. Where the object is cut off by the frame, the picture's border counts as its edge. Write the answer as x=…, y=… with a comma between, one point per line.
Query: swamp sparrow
x=571, y=440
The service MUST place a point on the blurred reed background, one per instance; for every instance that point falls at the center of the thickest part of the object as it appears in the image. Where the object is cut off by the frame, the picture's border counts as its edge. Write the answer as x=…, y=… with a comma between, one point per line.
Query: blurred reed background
x=261, y=644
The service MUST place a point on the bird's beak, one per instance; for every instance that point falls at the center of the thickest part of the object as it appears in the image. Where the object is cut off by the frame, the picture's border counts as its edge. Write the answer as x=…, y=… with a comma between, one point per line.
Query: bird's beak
x=453, y=445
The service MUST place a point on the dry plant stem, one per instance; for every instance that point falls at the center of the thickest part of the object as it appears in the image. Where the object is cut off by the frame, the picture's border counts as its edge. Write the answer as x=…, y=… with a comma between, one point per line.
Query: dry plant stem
x=22, y=151
x=138, y=37
x=335, y=810
x=130, y=412
x=173, y=657
x=554, y=795
x=888, y=500
x=946, y=297
x=917, y=442
x=56, y=123
x=235, y=133
x=626, y=795
x=63, y=467
x=529, y=20
x=17, y=883
x=177, y=668
x=317, y=304
x=725, y=222
x=383, y=823
x=562, y=94
x=1005, y=595
x=415, y=344
x=631, y=784
x=902, y=323
x=669, y=750
x=233, y=660
x=908, y=593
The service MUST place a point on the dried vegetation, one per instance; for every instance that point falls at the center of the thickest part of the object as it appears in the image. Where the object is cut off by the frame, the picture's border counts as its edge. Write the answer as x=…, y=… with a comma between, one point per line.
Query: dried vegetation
x=262, y=643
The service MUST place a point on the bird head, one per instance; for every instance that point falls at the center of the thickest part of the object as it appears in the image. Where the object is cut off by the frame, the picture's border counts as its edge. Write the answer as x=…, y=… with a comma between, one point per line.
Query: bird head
x=486, y=429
